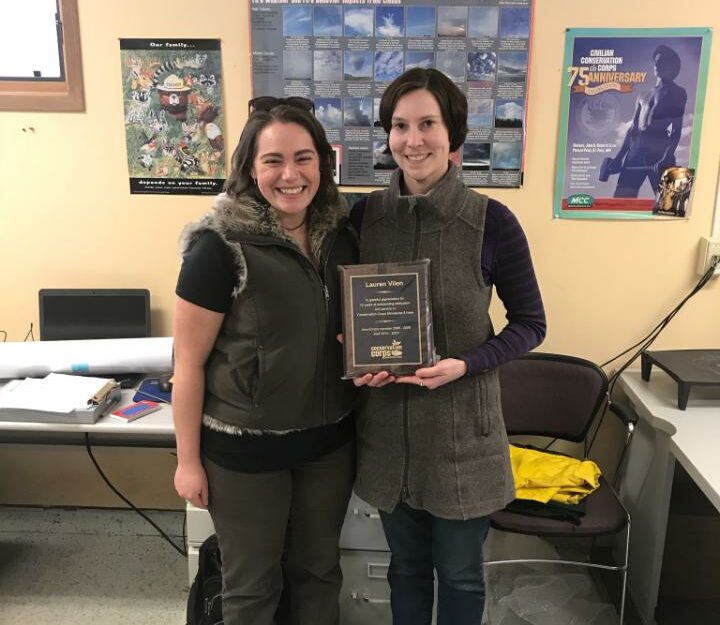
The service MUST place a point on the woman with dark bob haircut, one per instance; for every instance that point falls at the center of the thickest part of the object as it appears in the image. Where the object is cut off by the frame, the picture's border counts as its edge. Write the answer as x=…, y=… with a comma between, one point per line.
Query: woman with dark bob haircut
x=264, y=436
x=432, y=449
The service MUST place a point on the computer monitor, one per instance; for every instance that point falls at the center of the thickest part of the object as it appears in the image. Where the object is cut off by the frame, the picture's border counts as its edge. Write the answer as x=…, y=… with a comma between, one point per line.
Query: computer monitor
x=67, y=314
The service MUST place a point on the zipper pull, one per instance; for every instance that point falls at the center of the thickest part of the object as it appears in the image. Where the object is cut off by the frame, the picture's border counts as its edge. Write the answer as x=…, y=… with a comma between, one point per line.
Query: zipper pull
x=327, y=293
x=412, y=202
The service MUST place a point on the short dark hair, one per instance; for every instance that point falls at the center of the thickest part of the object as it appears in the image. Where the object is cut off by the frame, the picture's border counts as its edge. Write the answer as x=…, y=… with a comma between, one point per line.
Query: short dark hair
x=670, y=59
x=240, y=182
x=452, y=101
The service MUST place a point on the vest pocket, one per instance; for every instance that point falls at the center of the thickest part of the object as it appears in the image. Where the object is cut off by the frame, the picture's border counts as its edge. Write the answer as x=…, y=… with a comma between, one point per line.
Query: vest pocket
x=257, y=390
x=483, y=404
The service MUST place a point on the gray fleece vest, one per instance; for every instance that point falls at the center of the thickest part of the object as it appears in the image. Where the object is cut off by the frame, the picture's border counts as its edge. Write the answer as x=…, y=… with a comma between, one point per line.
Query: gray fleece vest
x=444, y=451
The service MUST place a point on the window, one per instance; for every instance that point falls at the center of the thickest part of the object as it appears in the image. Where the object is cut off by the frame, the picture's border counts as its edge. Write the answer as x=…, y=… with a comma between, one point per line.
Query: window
x=49, y=78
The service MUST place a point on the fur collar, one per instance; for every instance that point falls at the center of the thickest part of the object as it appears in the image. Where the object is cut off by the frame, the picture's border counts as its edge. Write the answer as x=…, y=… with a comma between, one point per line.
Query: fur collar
x=245, y=215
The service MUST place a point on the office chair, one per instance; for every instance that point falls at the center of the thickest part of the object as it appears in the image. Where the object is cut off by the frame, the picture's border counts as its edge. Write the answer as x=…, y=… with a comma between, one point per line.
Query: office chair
x=558, y=396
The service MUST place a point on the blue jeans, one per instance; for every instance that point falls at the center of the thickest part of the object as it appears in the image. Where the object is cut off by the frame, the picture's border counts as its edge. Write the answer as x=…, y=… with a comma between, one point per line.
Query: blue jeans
x=421, y=543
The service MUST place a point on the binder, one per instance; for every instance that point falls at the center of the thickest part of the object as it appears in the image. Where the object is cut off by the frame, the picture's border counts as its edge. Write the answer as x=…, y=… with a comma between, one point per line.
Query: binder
x=58, y=398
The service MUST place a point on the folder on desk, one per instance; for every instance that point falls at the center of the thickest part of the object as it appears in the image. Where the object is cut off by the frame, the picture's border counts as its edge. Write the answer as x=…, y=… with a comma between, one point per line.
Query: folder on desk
x=58, y=398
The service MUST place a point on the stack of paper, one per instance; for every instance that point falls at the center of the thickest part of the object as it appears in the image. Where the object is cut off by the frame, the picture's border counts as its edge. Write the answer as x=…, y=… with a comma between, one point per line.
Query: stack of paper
x=54, y=398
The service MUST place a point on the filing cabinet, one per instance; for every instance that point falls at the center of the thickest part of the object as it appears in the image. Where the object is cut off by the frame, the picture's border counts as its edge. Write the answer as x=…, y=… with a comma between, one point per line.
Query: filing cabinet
x=365, y=557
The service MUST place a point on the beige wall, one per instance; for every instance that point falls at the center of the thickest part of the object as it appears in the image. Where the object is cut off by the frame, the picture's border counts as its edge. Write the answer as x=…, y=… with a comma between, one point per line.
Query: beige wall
x=66, y=215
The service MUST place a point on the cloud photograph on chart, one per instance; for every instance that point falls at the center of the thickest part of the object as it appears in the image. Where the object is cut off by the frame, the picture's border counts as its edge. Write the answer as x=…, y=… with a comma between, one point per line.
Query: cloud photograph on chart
x=329, y=112
x=506, y=155
x=509, y=113
x=357, y=112
x=388, y=65
x=328, y=21
x=480, y=113
x=389, y=21
x=512, y=66
x=359, y=21
x=483, y=22
x=514, y=23
x=297, y=21
x=452, y=22
x=481, y=66
x=420, y=22
x=382, y=158
x=476, y=156
x=452, y=64
x=419, y=59
x=327, y=65
x=297, y=65
x=358, y=65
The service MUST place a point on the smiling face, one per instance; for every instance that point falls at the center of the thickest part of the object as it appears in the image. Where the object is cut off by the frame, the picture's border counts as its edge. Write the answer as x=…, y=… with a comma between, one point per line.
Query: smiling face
x=287, y=170
x=419, y=140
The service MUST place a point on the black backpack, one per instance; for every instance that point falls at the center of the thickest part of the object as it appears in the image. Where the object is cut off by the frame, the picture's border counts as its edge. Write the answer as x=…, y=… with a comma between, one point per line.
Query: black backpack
x=205, y=599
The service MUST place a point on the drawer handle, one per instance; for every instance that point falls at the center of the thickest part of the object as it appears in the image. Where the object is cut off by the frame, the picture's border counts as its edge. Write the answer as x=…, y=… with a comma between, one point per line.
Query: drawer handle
x=367, y=599
x=382, y=567
x=367, y=514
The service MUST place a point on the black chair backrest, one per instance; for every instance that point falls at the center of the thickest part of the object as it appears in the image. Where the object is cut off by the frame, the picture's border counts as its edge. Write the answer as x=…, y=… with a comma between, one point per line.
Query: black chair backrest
x=551, y=395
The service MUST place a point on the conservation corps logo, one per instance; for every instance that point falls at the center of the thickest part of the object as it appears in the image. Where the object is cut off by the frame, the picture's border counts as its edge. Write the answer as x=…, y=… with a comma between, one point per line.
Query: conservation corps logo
x=387, y=351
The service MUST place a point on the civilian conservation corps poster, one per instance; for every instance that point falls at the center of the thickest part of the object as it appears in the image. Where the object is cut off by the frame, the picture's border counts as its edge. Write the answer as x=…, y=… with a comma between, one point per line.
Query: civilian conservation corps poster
x=630, y=122
x=172, y=93
x=342, y=54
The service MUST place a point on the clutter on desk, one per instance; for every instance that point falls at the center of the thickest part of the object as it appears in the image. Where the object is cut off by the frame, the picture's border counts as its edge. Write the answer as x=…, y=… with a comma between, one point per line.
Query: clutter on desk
x=134, y=411
x=58, y=398
x=88, y=357
x=150, y=390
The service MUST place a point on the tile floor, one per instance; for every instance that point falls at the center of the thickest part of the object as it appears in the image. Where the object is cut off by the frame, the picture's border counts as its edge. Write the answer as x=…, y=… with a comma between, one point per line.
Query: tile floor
x=108, y=567
x=85, y=566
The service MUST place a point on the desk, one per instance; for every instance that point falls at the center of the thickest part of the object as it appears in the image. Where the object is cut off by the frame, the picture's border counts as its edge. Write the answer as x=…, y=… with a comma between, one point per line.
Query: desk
x=663, y=435
x=153, y=430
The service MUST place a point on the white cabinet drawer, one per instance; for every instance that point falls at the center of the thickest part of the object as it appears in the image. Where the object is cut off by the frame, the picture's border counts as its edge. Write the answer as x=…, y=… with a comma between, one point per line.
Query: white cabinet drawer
x=199, y=525
x=193, y=558
x=362, y=528
x=365, y=594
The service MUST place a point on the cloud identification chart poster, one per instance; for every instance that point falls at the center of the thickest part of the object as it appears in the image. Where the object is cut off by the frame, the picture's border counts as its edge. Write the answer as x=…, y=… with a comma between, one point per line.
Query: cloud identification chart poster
x=343, y=54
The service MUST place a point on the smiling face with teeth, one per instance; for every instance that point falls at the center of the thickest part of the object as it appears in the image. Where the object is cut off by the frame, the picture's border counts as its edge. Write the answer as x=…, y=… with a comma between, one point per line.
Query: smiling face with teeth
x=419, y=140
x=287, y=170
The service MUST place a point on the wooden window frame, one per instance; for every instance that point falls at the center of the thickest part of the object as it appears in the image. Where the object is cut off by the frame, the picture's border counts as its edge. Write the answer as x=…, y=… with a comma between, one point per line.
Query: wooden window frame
x=52, y=95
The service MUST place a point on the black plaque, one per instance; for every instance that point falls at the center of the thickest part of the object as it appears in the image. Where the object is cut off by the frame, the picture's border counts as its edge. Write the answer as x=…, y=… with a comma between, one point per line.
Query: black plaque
x=387, y=317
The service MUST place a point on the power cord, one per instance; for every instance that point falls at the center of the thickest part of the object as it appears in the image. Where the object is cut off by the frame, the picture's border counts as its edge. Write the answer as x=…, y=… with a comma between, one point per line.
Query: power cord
x=173, y=544
x=649, y=338
x=30, y=334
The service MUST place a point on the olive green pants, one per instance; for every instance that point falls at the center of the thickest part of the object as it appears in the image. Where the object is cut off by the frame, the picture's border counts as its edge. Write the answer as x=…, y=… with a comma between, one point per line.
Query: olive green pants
x=282, y=522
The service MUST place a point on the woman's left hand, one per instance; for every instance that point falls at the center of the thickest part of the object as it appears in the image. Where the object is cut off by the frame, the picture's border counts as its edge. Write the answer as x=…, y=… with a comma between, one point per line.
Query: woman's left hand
x=446, y=370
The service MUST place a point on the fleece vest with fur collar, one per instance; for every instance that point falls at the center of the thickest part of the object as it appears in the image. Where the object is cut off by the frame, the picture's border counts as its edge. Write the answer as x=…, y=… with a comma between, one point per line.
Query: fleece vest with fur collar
x=276, y=364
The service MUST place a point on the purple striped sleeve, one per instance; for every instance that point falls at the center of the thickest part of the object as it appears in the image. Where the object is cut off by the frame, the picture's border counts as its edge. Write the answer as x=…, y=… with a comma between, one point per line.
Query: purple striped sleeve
x=506, y=264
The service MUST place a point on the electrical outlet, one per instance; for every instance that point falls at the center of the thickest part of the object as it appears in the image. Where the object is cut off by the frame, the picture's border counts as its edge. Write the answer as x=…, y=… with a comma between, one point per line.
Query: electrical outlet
x=708, y=249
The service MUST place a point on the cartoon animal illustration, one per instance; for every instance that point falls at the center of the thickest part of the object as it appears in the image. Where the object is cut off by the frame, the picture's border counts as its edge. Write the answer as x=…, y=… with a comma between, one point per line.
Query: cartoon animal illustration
x=157, y=122
x=188, y=163
x=140, y=78
x=193, y=62
x=146, y=161
x=208, y=82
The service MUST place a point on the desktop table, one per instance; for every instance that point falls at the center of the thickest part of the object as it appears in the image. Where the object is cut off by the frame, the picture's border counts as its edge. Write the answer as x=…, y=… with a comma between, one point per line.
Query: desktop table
x=153, y=430
x=664, y=435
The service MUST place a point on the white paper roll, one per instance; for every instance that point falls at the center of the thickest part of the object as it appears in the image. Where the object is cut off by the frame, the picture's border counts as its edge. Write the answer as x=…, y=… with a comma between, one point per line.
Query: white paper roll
x=99, y=356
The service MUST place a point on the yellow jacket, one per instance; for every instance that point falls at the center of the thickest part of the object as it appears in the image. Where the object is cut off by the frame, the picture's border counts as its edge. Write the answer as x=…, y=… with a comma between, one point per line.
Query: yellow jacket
x=544, y=477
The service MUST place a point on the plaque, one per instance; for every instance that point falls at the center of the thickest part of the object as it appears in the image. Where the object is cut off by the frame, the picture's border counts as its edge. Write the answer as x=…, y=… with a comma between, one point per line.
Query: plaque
x=387, y=318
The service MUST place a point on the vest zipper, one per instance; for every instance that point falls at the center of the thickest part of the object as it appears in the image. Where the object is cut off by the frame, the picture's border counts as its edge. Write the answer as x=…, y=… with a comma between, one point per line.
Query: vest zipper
x=405, y=491
x=327, y=246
